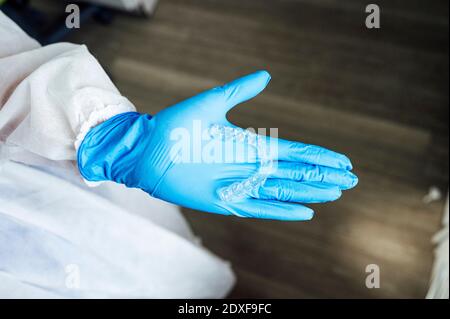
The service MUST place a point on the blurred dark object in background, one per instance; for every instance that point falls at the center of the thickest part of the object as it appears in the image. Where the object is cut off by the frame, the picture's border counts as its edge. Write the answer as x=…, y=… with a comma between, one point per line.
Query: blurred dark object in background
x=48, y=26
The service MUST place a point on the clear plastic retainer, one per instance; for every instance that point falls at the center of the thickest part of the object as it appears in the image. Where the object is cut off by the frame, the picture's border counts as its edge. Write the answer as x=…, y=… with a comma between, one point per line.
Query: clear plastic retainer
x=242, y=190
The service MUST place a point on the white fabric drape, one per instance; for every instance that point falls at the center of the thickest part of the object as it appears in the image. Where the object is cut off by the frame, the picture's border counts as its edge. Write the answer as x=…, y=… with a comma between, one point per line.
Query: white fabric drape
x=439, y=287
x=58, y=237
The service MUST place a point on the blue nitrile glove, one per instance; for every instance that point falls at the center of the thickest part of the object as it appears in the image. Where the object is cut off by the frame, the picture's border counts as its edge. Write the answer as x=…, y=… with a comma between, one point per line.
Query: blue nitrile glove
x=190, y=155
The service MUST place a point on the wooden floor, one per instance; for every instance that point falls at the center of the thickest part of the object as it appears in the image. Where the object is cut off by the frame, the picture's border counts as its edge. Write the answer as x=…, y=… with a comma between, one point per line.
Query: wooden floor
x=379, y=96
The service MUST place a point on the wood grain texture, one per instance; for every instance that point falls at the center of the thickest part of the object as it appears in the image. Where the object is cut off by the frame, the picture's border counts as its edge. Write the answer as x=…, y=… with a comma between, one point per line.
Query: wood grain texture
x=380, y=96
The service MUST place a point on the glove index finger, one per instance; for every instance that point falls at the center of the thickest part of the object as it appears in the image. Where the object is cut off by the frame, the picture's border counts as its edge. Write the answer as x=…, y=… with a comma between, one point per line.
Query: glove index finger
x=312, y=154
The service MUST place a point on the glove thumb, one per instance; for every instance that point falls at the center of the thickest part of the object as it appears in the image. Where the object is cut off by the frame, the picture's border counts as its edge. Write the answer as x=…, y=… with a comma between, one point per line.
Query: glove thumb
x=244, y=88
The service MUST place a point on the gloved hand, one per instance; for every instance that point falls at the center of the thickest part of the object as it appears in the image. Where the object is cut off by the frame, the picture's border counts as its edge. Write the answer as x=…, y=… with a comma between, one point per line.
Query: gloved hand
x=180, y=156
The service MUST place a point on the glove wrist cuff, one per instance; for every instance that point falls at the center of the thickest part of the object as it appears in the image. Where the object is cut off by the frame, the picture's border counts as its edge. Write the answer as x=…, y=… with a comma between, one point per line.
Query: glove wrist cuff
x=110, y=150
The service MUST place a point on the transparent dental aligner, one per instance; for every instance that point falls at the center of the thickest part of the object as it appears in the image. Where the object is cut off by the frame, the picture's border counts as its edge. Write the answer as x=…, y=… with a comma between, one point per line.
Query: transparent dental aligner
x=241, y=190
x=231, y=133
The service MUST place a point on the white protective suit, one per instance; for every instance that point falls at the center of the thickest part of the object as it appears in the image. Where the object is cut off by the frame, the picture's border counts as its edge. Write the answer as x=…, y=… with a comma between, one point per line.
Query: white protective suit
x=58, y=236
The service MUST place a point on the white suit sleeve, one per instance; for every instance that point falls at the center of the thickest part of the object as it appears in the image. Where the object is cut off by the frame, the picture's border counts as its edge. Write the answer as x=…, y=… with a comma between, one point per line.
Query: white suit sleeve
x=51, y=96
